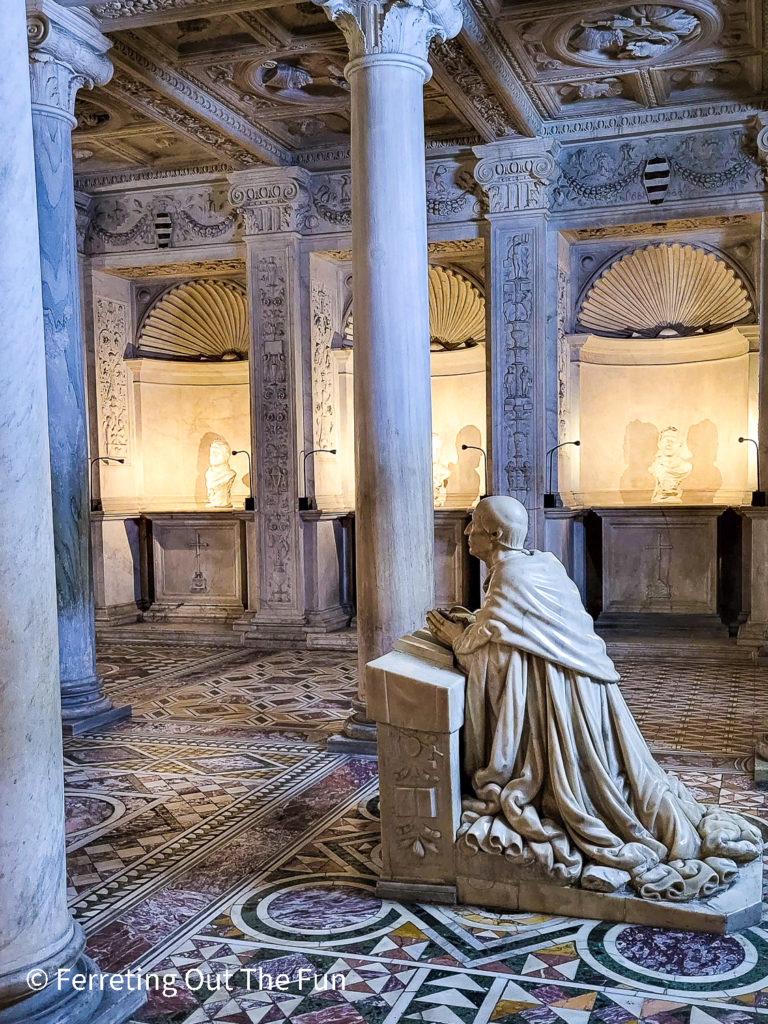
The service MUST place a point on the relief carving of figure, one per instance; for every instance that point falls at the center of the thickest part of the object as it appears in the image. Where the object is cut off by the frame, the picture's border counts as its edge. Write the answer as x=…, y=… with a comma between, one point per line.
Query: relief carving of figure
x=635, y=33
x=219, y=476
x=670, y=467
x=563, y=784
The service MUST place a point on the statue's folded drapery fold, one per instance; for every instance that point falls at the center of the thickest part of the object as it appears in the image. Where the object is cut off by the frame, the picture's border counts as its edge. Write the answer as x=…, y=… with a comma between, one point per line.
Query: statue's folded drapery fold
x=562, y=777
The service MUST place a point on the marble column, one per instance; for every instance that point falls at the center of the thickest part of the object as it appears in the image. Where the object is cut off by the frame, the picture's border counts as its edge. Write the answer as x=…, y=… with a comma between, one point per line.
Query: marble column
x=394, y=526
x=66, y=51
x=37, y=932
x=514, y=175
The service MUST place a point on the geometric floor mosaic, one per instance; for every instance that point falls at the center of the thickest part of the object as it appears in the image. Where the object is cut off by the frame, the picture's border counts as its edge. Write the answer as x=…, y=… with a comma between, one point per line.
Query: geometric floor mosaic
x=213, y=837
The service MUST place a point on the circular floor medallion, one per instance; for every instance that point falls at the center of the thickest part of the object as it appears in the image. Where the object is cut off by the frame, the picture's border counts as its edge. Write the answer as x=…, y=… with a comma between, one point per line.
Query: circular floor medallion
x=320, y=908
x=678, y=953
x=674, y=961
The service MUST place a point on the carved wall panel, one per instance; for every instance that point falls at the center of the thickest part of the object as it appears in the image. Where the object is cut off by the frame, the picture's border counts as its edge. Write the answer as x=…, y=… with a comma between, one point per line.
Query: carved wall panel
x=702, y=165
x=127, y=221
x=516, y=250
x=274, y=431
x=111, y=326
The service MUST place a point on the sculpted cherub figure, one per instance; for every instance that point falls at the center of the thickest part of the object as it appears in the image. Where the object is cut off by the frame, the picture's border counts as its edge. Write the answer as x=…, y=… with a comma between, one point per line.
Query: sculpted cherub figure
x=562, y=780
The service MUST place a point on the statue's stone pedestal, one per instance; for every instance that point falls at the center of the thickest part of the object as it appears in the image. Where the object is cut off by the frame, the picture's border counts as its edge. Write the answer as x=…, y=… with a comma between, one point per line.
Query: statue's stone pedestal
x=490, y=881
x=416, y=697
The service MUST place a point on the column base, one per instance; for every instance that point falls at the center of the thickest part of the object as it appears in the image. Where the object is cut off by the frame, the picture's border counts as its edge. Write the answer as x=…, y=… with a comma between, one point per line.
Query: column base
x=84, y=707
x=270, y=634
x=102, y=1005
x=358, y=736
x=753, y=634
x=74, y=724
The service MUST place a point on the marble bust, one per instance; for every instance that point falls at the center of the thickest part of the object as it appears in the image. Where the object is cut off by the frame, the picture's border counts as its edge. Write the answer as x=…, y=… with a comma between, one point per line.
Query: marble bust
x=670, y=467
x=219, y=476
x=562, y=783
x=440, y=472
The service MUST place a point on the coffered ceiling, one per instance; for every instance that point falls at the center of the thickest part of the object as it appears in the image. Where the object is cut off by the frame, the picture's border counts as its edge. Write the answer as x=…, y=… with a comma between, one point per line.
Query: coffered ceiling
x=228, y=84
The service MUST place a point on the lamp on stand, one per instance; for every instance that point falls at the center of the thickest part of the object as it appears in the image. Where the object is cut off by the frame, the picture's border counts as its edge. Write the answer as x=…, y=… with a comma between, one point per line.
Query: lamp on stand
x=758, y=496
x=96, y=505
x=306, y=503
x=250, y=503
x=550, y=498
x=475, y=448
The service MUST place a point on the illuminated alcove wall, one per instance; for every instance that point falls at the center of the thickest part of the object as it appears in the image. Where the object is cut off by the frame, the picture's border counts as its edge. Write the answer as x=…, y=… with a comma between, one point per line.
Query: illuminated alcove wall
x=623, y=391
x=189, y=387
x=180, y=408
x=458, y=388
x=458, y=417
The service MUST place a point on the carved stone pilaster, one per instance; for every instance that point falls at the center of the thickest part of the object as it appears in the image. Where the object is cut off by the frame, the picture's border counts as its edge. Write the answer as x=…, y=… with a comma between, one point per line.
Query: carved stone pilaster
x=271, y=200
x=515, y=175
x=66, y=53
x=407, y=28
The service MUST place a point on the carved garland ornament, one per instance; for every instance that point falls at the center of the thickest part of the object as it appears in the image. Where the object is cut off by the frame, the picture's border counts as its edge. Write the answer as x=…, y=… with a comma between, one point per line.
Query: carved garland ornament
x=665, y=290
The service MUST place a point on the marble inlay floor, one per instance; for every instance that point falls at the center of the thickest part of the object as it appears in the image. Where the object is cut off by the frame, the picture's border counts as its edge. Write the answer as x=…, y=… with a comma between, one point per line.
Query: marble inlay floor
x=214, y=834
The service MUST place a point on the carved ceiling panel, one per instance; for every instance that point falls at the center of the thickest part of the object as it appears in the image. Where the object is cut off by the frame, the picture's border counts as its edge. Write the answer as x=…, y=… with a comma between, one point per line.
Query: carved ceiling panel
x=608, y=57
x=263, y=80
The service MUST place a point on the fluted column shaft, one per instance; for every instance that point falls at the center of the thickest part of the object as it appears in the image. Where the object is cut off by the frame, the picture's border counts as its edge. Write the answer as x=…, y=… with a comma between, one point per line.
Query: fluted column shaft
x=66, y=52
x=394, y=504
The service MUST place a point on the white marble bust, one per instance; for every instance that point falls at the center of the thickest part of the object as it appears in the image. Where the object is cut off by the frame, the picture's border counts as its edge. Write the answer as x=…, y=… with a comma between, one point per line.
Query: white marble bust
x=440, y=472
x=219, y=476
x=670, y=467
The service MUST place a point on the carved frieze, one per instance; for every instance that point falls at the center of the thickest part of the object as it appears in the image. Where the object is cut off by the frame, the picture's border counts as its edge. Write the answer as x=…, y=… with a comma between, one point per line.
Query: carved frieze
x=111, y=318
x=127, y=221
x=466, y=76
x=701, y=164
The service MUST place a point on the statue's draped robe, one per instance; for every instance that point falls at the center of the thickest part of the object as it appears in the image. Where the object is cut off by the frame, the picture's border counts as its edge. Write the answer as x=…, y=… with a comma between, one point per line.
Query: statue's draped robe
x=562, y=777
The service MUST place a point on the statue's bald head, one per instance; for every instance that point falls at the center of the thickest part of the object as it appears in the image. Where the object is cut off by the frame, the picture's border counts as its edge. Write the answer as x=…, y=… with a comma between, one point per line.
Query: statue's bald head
x=502, y=518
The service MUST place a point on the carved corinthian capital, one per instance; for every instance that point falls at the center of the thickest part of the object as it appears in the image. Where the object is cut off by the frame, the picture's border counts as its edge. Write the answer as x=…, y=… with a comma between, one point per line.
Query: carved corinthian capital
x=66, y=52
x=393, y=26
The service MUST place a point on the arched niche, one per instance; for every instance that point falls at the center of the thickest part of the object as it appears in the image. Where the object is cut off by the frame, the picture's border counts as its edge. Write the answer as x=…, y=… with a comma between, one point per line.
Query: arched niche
x=458, y=387
x=666, y=342
x=190, y=389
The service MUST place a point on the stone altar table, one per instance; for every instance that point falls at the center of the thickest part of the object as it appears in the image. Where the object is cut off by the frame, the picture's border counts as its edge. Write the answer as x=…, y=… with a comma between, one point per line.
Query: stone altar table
x=416, y=697
x=660, y=560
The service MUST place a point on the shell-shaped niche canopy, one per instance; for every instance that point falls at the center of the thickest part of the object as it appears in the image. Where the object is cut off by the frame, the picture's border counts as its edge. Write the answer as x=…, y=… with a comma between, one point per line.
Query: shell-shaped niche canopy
x=202, y=319
x=456, y=310
x=665, y=290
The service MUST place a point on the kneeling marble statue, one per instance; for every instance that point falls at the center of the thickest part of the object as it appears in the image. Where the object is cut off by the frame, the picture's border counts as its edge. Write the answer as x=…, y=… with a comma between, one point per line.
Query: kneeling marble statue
x=562, y=780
